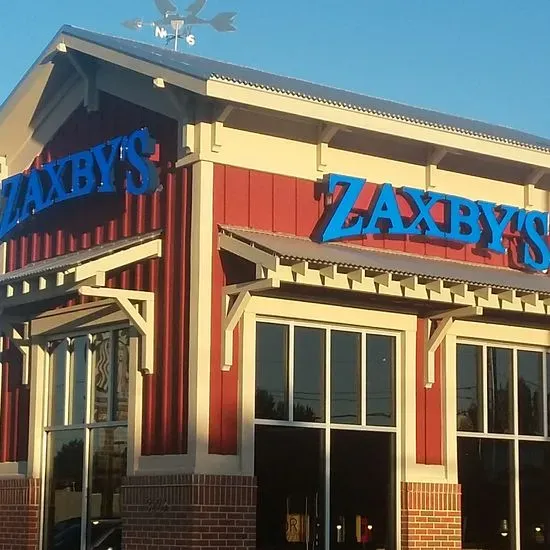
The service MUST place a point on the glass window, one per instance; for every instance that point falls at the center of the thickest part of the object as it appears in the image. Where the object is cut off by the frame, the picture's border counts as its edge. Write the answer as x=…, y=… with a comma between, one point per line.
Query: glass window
x=345, y=382
x=58, y=382
x=380, y=380
x=101, y=375
x=271, y=371
x=309, y=374
x=79, y=363
x=101, y=437
x=329, y=484
x=499, y=390
x=362, y=489
x=65, y=451
x=534, y=488
x=530, y=393
x=289, y=466
x=121, y=375
x=484, y=471
x=469, y=388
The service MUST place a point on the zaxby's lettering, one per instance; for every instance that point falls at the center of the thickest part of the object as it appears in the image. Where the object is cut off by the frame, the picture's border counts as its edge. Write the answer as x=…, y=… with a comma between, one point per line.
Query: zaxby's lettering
x=465, y=221
x=79, y=175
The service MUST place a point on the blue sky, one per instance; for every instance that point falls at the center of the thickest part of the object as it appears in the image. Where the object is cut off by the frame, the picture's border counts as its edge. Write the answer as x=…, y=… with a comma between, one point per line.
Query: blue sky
x=483, y=59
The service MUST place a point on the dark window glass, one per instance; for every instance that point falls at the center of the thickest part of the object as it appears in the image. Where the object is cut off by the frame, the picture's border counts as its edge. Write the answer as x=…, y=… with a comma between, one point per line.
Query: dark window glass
x=289, y=466
x=534, y=487
x=469, y=388
x=65, y=451
x=109, y=448
x=78, y=380
x=271, y=371
x=345, y=385
x=485, y=472
x=362, y=490
x=499, y=390
x=530, y=393
x=101, y=375
x=380, y=380
x=309, y=374
x=121, y=375
x=58, y=382
x=548, y=390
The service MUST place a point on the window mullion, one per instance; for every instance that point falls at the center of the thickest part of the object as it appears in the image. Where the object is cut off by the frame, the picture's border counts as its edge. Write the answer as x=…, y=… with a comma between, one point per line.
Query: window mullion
x=69, y=370
x=485, y=393
x=111, y=376
x=545, y=394
x=515, y=498
x=328, y=380
x=290, y=370
x=363, y=393
x=515, y=406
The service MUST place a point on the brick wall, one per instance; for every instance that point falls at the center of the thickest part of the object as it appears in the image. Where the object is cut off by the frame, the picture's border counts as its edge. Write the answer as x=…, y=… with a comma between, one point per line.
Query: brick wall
x=189, y=512
x=19, y=514
x=430, y=516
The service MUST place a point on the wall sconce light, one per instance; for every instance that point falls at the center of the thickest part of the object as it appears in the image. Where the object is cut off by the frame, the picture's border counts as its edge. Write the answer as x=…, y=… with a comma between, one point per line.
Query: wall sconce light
x=61, y=47
x=159, y=82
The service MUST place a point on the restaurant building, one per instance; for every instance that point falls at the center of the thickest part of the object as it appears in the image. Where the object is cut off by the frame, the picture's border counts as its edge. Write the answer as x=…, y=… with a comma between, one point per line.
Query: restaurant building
x=245, y=311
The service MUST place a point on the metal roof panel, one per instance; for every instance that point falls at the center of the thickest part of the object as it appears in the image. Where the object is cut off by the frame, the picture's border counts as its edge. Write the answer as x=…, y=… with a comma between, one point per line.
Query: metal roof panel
x=209, y=69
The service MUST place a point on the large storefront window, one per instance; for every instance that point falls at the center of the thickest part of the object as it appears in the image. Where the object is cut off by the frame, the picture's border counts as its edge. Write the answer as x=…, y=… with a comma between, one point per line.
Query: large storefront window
x=86, y=440
x=503, y=447
x=325, y=438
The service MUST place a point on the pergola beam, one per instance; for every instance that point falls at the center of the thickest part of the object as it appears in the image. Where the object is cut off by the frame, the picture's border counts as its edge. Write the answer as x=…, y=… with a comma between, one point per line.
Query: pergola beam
x=143, y=320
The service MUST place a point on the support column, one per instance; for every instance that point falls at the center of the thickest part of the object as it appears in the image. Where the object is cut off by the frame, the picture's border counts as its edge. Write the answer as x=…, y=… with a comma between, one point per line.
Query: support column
x=200, y=313
x=430, y=494
x=190, y=512
x=19, y=513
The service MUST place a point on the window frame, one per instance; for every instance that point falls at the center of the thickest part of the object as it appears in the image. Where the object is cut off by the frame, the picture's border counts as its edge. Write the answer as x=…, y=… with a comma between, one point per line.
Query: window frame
x=510, y=339
x=401, y=325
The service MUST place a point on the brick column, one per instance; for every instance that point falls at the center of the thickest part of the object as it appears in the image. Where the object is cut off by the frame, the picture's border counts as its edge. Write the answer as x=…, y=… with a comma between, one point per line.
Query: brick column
x=430, y=516
x=19, y=514
x=189, y=512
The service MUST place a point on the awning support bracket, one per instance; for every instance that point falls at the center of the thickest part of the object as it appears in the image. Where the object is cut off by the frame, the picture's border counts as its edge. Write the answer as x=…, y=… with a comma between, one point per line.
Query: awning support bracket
x=142, y=318
x=235, y=299
x=434, y=338
x=21, y=341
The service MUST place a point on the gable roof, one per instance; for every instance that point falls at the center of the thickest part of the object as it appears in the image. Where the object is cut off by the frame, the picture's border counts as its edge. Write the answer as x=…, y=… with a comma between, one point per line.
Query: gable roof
x=208, y=69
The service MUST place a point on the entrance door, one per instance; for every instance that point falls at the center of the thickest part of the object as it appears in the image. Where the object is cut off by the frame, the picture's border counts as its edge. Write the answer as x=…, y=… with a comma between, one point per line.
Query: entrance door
x=86, y=440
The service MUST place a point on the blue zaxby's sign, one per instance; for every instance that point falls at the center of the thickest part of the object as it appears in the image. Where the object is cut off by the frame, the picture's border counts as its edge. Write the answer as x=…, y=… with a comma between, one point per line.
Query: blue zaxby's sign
x=465, y=221
x=79, y=175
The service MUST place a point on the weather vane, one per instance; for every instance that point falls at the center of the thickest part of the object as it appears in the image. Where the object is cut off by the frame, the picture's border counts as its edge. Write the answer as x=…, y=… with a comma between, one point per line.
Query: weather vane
x=173, y=26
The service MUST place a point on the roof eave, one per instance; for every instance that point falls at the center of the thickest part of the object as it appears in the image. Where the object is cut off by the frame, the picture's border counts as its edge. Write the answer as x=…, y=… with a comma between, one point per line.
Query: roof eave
x=291, y=104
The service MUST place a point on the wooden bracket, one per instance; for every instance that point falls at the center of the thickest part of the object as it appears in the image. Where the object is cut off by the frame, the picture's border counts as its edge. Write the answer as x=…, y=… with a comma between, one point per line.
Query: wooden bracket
x=143, y=320
x=235, y=300
x=434, y=338
x=88, y=72
x=21, y=341
x=326, y=134
x=218, y=126
x=434, y=159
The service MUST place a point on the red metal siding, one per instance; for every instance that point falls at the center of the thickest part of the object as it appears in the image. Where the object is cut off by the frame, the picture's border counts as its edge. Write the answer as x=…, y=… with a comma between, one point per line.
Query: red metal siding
x=102, y=219
x=429, y=416
x=271, y=202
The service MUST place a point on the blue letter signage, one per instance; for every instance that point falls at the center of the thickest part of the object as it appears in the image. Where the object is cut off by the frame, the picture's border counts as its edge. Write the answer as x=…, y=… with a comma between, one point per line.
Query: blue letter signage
x=466, y=221
x=78, y=175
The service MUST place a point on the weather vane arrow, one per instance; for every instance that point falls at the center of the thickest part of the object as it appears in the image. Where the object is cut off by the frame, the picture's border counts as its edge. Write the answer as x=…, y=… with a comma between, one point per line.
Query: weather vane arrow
x=173, y=25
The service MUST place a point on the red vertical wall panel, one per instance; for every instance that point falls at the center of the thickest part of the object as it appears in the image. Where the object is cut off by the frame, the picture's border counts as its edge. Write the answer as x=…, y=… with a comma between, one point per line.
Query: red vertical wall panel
x=429, y=416
x=96, y=220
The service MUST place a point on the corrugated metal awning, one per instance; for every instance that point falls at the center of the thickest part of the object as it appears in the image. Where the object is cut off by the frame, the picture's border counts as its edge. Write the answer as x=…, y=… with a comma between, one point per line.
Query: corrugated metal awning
x=295, y=249
x=74, y=259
